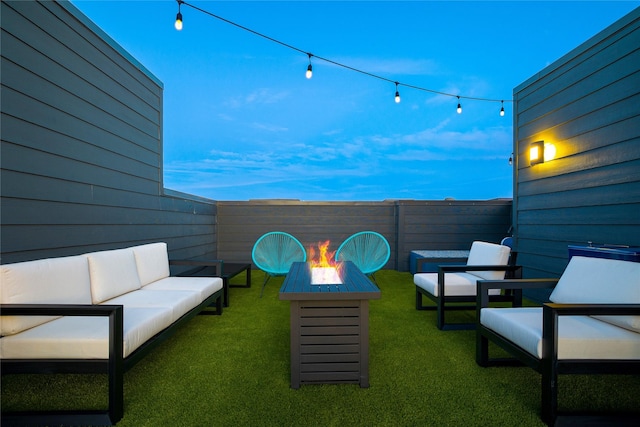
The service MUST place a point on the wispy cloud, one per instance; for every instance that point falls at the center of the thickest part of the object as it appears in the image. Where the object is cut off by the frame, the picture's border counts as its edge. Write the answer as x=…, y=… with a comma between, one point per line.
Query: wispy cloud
x=260, y=96
x=269, y=127
x=390, y=66
x=368, y=158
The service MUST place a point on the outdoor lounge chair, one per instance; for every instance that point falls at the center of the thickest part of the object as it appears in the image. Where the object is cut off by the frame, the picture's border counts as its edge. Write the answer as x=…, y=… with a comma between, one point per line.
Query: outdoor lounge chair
x=368, y=250
x=455, y=284
x=274, y=252
x=592, y=326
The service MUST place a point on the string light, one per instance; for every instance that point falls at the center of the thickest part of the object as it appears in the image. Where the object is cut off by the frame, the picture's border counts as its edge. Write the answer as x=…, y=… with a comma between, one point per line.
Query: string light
x=309, y=72
x=502, y=109
x=511, y=159
x=178, y=24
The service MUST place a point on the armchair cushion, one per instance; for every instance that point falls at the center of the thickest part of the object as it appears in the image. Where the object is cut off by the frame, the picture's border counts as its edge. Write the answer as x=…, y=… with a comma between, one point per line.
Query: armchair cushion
x=456, y=284
x=484, y=253
x=579, y=337
x=601, y=281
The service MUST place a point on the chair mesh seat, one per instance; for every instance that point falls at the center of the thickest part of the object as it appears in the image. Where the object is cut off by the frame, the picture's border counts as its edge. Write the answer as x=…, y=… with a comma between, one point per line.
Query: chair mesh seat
x=275, y=252
x=368, y=250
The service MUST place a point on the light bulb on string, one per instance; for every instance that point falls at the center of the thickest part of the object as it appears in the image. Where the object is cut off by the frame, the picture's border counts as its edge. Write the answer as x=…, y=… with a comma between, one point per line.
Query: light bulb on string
x=502, y=109
x=309, y=73
x=178, y=23
x=511, y=159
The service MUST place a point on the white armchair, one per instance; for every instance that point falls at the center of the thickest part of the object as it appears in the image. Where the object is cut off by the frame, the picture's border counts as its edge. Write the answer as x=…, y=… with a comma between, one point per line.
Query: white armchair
x=455, y=284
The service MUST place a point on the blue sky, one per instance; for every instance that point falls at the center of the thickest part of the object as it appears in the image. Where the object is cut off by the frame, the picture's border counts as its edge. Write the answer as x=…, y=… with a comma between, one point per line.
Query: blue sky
x=242, y=122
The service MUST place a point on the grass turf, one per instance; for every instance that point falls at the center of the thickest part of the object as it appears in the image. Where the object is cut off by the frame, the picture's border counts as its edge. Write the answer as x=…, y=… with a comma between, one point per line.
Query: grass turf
x=234, y=370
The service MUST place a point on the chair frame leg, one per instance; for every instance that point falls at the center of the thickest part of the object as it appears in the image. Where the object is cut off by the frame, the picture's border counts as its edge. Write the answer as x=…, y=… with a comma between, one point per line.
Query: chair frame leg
x=267, y=277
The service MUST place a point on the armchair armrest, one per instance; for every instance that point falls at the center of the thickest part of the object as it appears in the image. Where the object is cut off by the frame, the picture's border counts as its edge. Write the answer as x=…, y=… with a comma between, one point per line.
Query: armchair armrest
x=421, y=261
x=198, y=265
x=552, y=311
x=465, y=267
x=442, y=269
x=513, y=284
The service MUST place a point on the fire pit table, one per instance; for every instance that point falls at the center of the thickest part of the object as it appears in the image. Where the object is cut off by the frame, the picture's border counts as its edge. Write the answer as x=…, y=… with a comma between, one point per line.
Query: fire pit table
x=329, y=323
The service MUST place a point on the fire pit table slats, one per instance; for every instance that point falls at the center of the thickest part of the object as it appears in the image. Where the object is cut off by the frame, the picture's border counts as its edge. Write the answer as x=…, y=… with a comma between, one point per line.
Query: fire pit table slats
x=329, y=326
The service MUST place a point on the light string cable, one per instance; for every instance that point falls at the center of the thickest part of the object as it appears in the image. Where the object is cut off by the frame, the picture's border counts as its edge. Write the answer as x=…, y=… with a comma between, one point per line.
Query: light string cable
x=330, y=61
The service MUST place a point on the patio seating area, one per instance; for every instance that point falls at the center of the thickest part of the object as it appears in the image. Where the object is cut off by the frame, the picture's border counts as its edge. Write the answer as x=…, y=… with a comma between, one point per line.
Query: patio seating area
x=83, y=173
x=237, y=373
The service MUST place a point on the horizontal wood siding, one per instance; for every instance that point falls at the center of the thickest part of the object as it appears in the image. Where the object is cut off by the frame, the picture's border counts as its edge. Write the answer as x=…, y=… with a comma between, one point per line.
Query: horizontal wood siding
x=407, y=225
x=450, y=225
x=82, y=144
x=240, y=224
x=588, y=105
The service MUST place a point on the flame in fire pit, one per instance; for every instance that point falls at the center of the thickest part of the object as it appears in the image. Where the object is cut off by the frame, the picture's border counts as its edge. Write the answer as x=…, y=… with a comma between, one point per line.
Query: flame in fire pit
x=323, y=257
x=324, y=268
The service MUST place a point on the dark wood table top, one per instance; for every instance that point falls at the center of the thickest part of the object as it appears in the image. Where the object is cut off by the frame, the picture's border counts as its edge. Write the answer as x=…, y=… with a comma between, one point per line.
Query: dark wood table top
x=355, y=285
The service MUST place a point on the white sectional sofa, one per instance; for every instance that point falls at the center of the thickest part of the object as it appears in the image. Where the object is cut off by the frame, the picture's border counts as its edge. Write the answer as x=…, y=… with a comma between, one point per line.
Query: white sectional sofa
x=591, y=326
x=96, y=312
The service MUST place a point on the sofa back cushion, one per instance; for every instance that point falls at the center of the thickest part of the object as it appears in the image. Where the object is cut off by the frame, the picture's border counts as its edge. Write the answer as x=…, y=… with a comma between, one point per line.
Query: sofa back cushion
x=484, y=253
x=152, y=261
x=113, y=273
x=601, y=281
x=63, y=280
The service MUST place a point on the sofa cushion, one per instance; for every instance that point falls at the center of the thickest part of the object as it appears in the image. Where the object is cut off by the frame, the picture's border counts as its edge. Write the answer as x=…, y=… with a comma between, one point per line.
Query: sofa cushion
x=601, y=281
x=455, y=284
x=179, y=302
x=205, y=286
x=484, y=253
x=579, y=337
x=152, y=261
x=63, y=280
x=112, y=273
x=72, y=337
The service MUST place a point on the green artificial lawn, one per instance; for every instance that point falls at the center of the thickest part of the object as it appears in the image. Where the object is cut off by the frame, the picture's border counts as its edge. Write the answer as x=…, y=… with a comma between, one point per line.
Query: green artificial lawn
x=233, y=370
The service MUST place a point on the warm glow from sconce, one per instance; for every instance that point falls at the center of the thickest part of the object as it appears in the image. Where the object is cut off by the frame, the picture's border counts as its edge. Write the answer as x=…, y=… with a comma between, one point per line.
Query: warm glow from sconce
x=549, y=152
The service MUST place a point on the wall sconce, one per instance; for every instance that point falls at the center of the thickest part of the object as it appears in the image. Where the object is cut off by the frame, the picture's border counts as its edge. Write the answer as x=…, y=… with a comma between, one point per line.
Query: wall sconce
x=536, y=153
x=540, y=152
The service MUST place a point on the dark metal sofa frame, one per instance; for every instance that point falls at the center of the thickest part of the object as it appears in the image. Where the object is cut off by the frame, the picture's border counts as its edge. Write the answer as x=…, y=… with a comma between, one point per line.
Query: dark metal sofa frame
x=115, y=366
x=549, y=366
x=445, y=303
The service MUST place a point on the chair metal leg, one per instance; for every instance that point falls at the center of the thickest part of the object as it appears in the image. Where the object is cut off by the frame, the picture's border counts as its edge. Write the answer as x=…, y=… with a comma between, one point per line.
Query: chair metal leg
x=265, y=282
x=440, y=313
